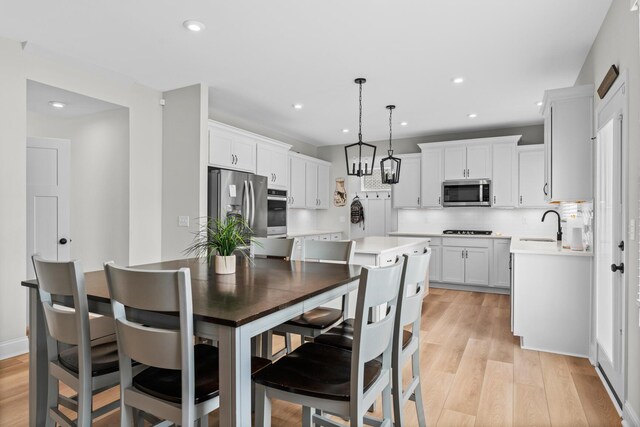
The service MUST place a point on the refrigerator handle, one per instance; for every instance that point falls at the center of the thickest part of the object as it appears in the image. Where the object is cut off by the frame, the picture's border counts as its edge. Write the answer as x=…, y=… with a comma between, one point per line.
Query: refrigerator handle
x=253, y=204
x=245, y=201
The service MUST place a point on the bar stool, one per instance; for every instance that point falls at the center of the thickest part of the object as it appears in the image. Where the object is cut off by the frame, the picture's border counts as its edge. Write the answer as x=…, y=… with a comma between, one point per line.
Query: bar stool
x=335, y=380
x=406, y=342
x=181, y=384
x=90, y=365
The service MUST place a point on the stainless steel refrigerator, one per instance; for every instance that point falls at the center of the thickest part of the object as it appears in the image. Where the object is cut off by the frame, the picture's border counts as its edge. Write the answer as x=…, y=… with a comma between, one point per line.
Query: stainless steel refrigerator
x=242, y=194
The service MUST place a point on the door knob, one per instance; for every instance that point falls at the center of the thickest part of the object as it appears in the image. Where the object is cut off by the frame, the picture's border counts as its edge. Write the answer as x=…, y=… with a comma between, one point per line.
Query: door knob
x=620, y=267
x=63, y=241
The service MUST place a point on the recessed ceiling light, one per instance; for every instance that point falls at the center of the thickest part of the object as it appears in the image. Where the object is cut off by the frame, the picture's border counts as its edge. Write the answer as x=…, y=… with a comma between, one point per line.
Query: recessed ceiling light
x=297, y=106
x=472, y=115
x=403, y=123
x=194, y=26
x=57, y=104
x=457, y=80
x=345, y=130
x=539, y=103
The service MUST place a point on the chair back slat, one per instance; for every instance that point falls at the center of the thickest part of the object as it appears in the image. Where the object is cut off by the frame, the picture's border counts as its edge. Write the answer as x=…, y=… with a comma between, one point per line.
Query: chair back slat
x=150, y=346
x=144, y=289
x=336, y=251
x=55, y=278
x=62, y=324
x=265, y=247
x=377, y=286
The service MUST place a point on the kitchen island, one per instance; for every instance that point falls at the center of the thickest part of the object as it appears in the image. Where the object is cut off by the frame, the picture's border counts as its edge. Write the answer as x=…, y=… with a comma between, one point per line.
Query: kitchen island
x=380, y=251
x=551, y=296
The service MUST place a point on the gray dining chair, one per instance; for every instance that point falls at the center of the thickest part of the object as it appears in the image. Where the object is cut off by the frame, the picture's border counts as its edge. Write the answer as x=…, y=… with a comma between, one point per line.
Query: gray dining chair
x=316, y=321
x=181, y=383
x=90, y=363
x=330, y=379
x=265, y=247
x=406, y=335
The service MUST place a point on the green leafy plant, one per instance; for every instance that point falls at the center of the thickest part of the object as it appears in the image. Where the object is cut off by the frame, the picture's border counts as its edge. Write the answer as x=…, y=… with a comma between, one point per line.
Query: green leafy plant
x=220, y=237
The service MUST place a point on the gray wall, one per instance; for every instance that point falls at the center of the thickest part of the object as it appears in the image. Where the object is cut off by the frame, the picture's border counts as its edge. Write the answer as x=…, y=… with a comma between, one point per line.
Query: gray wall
x=618, y=43
x=99, y=197
x=184, y=149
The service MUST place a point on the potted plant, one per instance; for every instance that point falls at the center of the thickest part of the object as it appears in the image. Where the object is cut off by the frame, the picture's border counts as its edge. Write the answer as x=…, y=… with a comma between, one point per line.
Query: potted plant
x=219, y=239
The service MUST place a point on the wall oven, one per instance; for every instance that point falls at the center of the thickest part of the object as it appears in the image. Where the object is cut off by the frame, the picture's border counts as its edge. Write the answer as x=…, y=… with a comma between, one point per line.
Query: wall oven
x=276, y=213
x=466, y=192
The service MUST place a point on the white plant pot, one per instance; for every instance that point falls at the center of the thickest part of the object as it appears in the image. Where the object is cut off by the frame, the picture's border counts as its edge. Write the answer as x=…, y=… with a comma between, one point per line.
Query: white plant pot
x=224, y=264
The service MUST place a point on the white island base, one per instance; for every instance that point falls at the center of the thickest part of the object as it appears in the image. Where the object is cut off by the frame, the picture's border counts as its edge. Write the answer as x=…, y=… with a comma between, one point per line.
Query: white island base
x=551, y=302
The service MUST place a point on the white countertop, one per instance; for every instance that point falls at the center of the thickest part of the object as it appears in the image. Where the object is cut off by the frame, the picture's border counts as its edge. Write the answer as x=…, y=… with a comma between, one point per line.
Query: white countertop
x=377, y=245
x=424, y=234
x=312, y=232
x=520, y=246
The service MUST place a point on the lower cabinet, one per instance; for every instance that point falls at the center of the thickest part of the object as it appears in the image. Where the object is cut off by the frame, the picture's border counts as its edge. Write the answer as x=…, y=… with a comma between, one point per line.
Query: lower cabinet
x=452, y=264
x=469, y=266
x=435, y=263
x=501, y=271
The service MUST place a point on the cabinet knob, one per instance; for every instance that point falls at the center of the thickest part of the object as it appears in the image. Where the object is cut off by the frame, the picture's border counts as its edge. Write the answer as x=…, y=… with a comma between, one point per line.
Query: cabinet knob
x=520, y=199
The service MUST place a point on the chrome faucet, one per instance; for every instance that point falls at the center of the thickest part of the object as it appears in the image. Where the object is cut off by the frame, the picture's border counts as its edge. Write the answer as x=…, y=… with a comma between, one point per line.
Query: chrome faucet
x=559, y=235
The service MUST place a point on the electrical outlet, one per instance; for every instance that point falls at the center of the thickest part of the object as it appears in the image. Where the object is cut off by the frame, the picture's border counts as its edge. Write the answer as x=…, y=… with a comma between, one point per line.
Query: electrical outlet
x=342, y=219
x=183, y=221
x=632, y=229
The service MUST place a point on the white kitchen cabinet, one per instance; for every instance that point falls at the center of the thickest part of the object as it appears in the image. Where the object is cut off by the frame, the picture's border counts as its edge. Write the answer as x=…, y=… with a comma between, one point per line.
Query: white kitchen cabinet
x=476, y=266
x=468, y=161
x=455, y=162
x=531, y=176
x=431, y=176
x=435, y=264
x=501, y=271
x=323, y=192
x=311, y=185
x=309, y=182
x=406, y=193
x=297, y=182
x=336, y=236
x=568, y=116
x=273, y=162
x=453, y=264
x=505, y=175
x=231, y=148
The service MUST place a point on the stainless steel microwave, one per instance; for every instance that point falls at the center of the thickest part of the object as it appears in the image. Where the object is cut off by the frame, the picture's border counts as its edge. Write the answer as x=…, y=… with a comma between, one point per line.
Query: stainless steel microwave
x=466, y=192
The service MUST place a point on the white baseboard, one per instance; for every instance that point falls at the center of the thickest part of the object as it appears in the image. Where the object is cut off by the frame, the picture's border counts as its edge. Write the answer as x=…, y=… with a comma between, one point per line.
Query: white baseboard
x=14, y=347
x=629, y=416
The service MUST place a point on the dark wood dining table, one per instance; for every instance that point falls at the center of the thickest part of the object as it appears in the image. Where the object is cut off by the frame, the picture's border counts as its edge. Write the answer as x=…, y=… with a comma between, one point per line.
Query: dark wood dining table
x=230, y=309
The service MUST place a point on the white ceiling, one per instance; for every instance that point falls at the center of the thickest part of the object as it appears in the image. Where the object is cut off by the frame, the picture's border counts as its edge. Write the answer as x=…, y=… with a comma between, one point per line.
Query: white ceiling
x=39, y=95
x=260, y=57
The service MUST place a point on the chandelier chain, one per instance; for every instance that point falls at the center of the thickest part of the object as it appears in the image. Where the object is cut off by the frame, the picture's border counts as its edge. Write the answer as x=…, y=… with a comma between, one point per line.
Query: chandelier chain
x=360, y=116
x=390, y=113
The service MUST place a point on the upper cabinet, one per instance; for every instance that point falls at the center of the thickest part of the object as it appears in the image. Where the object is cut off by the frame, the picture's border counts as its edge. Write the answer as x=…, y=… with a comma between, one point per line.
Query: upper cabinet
x=470, y=160
x=231, y=148
x=406, y=193
x=568, y=116
x=431, y=175
x=273, y=162
x=504, y=181
x=531, y=176
x=238, y=149
x=309, y=182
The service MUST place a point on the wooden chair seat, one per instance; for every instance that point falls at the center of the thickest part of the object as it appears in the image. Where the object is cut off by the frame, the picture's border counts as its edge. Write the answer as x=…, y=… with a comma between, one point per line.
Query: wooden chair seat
x=316, y=370
x=342, y=336
x=317, y=318
x=104, y=356
x=166, y=384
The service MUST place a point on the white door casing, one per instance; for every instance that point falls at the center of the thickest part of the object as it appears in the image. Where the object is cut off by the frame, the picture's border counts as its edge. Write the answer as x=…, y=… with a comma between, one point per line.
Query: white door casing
x=48, y=181
x=610, y=220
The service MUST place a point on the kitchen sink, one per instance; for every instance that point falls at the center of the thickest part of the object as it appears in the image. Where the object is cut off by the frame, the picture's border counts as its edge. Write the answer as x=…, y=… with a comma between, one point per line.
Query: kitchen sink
x=536, y=239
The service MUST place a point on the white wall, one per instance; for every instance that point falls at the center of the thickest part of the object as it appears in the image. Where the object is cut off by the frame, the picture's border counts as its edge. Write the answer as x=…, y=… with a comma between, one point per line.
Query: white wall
x=509, y=222
x=617, y=43
x=184, y=166
x=145, y=155
x=99, y=199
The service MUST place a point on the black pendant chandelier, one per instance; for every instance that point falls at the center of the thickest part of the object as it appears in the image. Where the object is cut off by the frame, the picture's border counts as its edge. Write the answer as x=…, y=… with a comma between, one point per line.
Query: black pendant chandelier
x=390, y=166
x=360, y=156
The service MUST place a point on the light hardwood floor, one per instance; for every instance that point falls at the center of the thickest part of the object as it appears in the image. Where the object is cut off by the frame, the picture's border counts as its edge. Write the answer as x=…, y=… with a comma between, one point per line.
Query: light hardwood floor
x=473, y=370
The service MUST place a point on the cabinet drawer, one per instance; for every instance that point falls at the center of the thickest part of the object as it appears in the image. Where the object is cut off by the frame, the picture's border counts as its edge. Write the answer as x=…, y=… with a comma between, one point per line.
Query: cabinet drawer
x=467, y=242
x=388, y=259
x=336, y=236
x=435, y=241
x=324, y=237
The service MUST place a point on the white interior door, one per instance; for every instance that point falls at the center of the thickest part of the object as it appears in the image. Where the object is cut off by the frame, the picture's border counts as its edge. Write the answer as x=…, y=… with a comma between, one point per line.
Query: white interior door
x=609, y=247
x=48, y=168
